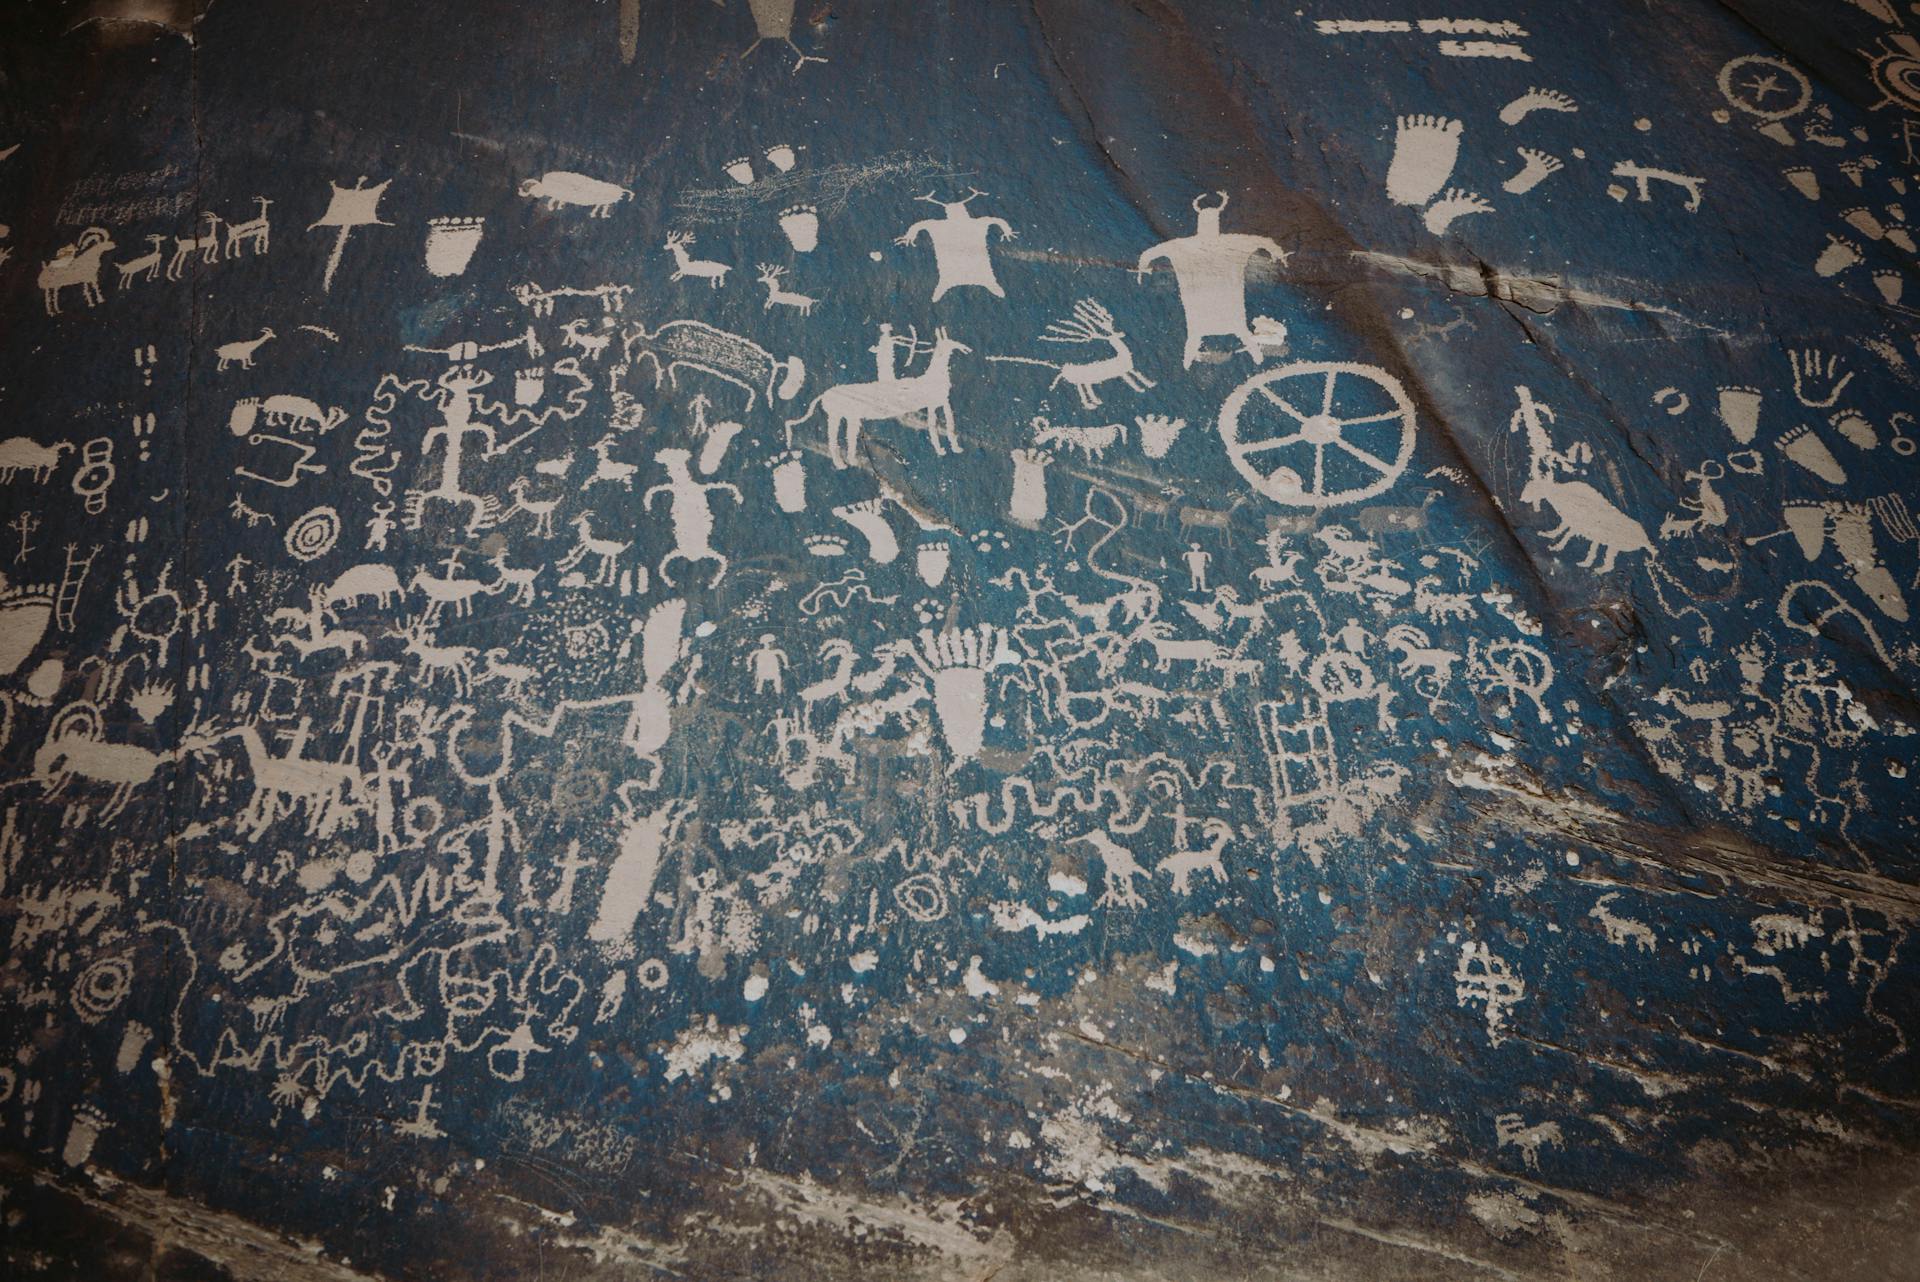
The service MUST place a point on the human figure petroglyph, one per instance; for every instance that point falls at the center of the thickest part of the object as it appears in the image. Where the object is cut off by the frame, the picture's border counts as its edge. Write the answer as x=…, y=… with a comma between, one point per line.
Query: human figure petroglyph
x=386, y=784
x=691, y=516
x=379, y=526
x=959, y=241
x=1197, y=559
x=888, y=349
x=767, y=662
x=1210, y=267
x=714, y=437
x=450, y=435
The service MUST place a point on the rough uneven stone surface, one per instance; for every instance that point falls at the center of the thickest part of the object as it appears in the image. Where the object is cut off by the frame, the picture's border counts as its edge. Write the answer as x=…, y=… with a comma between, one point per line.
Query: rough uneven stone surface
x=1346, y=712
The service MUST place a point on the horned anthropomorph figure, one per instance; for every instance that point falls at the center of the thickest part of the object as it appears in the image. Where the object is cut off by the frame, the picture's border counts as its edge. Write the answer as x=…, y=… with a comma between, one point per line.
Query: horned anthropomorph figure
x=1211, y=268
x=959, y=243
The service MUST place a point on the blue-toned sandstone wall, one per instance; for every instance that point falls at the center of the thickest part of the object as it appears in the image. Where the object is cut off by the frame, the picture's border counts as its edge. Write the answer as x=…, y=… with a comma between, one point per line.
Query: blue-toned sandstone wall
x=1049, y=639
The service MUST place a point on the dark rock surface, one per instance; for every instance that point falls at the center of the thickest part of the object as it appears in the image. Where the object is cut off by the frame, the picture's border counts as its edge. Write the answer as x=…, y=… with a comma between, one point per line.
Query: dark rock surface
x=580, y=701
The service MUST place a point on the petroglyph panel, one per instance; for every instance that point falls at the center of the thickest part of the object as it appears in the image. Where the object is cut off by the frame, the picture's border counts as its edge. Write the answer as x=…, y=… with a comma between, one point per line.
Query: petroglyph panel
x=736, y=638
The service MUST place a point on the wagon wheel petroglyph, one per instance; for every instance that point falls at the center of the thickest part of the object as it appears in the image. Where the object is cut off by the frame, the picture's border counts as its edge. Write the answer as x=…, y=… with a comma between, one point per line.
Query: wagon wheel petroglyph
x=1319, y=433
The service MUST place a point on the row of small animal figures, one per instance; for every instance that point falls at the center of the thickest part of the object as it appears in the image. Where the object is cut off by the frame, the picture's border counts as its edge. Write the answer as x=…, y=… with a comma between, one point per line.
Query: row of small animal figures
x=79, y=263
x=312, y=632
